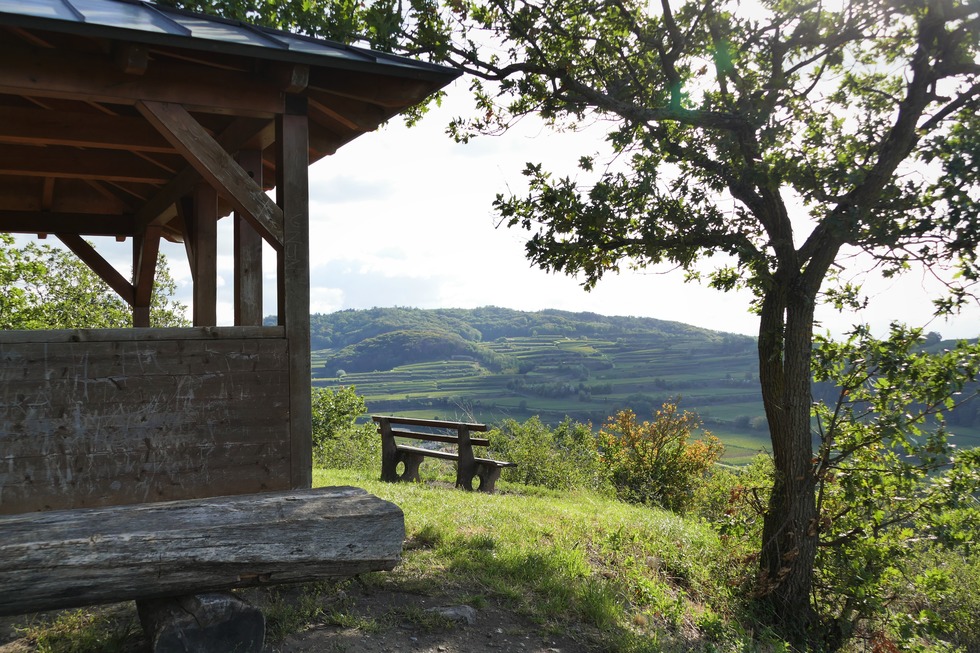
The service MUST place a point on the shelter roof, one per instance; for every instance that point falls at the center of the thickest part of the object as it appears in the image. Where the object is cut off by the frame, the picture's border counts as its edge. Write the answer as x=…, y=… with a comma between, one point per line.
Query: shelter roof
x=80, y=80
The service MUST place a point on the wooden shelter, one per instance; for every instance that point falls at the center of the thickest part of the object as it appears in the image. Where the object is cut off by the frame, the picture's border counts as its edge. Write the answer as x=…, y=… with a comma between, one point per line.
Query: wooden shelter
x=131, y=120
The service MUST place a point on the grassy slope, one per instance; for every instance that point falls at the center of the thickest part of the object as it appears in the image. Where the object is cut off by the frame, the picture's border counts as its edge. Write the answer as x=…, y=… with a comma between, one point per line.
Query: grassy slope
x=628, y=578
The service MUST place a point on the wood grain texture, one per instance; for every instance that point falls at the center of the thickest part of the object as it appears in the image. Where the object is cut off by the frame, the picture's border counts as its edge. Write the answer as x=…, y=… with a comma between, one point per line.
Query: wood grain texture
x=104, y=422
x=61, y=559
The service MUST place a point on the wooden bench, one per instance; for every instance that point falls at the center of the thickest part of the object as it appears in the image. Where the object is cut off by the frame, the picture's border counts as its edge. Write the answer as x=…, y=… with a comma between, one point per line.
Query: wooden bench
x=177, y=558
x=468, y=466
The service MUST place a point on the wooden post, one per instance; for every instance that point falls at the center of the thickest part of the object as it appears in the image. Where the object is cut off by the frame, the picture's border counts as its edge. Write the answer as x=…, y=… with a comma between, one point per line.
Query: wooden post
x=248, y=253
x=205, y=262
x=293, y=196
x=466, y=469
x=389, y=454
x=146, y=248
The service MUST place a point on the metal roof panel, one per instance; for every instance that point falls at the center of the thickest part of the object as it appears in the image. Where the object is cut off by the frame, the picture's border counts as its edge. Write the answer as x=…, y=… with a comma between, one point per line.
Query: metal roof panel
x=147, y=22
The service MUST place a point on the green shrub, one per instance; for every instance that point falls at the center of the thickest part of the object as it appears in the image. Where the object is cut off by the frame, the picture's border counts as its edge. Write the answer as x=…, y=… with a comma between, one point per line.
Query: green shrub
x=653, y=462
x=565, y=458
x=339, y=442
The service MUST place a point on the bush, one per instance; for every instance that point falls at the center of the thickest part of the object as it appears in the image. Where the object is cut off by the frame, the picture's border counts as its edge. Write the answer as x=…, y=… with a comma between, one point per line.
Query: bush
x=653, y=462
x=565, y=458
x=339, y=442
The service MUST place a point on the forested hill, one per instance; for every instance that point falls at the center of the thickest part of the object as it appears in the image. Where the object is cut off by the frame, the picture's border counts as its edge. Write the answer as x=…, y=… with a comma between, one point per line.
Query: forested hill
x=350, y=327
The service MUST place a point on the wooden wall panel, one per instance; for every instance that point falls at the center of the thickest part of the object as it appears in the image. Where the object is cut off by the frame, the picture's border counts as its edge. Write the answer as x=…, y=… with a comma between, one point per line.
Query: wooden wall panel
x=100, y=418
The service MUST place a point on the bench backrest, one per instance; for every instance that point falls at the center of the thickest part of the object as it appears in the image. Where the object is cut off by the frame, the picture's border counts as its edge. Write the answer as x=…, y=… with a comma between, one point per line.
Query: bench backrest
x=387, y=426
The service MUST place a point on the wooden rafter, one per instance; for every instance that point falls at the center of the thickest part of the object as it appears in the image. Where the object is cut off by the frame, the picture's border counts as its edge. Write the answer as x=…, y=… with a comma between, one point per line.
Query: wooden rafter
x=37, y=72
x=60, y=162
x=161, y=207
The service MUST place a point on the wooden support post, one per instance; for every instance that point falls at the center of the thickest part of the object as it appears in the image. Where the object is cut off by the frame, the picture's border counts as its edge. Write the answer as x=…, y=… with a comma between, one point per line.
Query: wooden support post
x=146, y=248
x=293, y=196
x=466, y=469
x=204, y=231
x=248, y=253
x=69, y=558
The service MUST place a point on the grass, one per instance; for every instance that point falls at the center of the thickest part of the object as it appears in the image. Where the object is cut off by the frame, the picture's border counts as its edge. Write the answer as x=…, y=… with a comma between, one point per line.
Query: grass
x=623, y=578
x=630, y=578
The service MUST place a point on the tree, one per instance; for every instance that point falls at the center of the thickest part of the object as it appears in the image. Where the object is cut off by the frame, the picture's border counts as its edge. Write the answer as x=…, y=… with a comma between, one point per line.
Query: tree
x=781, y=136
x=784, y=138
x=45, y=287
x=339, y=442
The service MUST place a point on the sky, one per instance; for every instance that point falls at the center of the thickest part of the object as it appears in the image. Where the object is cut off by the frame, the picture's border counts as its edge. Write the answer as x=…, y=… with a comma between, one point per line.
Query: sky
x=403, y=217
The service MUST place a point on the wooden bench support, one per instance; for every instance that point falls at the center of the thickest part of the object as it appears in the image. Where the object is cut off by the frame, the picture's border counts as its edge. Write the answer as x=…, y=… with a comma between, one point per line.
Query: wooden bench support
x=203, y=623
x=69, y=558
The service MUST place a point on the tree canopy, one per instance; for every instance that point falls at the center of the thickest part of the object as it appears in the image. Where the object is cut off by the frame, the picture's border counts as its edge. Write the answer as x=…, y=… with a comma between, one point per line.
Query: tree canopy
x=45, y=287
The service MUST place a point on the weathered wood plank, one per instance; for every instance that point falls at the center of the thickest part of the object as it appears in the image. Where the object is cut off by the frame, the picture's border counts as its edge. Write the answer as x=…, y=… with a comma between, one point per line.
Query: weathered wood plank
x=143, y=335
x=27, y=362
x=94, y=423
x=435, y=423
x=438, y=437
x=125, y=480
x=62, y=559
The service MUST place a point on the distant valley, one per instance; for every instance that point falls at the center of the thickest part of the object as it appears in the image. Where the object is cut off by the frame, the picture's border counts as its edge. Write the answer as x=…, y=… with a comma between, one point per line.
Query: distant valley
x=491, y=363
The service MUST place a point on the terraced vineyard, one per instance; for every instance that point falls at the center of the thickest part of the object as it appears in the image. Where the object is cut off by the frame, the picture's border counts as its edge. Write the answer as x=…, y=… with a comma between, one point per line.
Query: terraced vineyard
x=585, y=377
x=490, y=364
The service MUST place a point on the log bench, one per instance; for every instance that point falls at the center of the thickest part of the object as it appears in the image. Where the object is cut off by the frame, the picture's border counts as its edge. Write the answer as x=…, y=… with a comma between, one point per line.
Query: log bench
x=469, y=468
x=176, y=557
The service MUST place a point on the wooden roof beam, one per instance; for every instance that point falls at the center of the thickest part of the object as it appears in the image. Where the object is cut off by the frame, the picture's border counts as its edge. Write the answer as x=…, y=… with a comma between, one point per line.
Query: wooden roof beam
x=85, y=224
x=104, y=165
x=93, y=78
x=216, y=166
x=38, y=127
x=99, y=265
x=393, y=93
x=244, y=132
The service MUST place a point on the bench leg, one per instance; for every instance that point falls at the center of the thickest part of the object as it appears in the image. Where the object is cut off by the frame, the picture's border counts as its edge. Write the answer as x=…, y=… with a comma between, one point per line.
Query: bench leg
x=412, y=462
x=488, y=475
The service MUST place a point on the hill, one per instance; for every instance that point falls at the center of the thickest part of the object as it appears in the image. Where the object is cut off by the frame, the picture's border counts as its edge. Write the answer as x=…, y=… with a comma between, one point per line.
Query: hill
x=493, y=363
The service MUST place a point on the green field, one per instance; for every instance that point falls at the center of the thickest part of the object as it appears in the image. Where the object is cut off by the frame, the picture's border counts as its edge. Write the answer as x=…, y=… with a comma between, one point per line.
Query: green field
x=491, y=364
x=585, y=378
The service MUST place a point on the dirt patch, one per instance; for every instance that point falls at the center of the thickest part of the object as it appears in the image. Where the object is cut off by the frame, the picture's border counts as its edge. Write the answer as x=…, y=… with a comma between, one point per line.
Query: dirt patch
x=351, y=617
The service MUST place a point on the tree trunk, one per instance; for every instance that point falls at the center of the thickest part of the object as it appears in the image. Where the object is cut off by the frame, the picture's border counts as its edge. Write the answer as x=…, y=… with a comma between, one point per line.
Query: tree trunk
x=789, y=539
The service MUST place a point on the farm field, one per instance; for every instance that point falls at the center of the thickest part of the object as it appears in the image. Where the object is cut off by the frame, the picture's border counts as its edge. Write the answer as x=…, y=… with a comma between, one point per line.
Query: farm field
x=492, y=364
x=585, y=377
